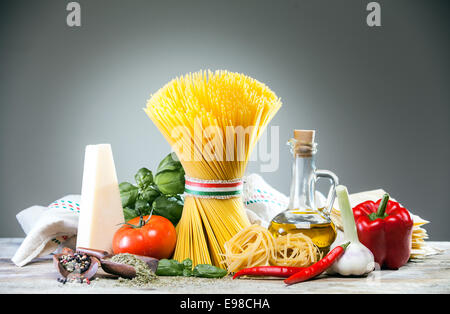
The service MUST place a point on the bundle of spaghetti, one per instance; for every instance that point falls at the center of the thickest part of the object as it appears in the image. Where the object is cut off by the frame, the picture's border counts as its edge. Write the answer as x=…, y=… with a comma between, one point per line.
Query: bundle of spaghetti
x=255, y=246
x=296, y=250
x=212, y=120
x=252, y=246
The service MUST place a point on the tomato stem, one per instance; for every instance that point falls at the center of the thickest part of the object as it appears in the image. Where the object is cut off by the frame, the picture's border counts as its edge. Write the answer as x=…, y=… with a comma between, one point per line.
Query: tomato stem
x=149, y=216
x=131, y=225
x=142, y=222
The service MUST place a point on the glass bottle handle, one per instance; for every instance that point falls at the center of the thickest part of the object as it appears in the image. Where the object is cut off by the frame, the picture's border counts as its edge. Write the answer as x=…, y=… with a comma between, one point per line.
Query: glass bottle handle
x=334, y=180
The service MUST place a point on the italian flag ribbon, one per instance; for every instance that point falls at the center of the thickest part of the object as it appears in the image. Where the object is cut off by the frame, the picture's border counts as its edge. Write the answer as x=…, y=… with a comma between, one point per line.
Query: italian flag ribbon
x=220, y=189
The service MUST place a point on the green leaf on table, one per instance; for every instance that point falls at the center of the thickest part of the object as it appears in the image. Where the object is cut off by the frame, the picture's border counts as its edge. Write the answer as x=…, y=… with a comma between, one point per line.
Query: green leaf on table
x=169, y=267
x=208, y=271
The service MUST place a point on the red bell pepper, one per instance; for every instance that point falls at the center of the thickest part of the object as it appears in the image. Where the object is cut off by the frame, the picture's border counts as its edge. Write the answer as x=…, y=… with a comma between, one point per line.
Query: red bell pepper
x=385, y=228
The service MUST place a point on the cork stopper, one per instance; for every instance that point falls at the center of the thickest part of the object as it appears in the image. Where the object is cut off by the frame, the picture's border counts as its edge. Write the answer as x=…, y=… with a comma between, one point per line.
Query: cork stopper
x=304, y=136
x=304, y=142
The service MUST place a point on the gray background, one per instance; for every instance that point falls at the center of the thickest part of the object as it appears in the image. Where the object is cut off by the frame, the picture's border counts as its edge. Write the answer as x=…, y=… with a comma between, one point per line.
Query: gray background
x=379, y=97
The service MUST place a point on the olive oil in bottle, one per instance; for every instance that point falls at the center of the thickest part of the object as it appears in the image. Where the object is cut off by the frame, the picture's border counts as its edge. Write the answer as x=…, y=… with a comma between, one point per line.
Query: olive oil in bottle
x=302, y=215
x=321, y=231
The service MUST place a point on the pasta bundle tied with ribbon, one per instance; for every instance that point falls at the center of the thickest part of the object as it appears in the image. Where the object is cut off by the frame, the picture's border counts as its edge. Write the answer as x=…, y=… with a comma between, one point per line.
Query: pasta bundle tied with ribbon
x=212, y=120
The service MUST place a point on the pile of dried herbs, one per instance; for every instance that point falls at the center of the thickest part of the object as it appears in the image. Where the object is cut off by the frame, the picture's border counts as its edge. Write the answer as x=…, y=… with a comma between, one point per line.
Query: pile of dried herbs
x=144, y=275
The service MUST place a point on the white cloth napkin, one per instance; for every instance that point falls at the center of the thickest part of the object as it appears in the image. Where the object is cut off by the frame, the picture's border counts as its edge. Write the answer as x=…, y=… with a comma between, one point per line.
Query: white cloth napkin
x=47, y=228
x=263, y=202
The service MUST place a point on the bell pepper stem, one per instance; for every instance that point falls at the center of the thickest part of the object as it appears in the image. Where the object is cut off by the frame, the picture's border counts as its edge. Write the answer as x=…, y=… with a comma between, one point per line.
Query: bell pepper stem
x=383, y=204
x=381, y=211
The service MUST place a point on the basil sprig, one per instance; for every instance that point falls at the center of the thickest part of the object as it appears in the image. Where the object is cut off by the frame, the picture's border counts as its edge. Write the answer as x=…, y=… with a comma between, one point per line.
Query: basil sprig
x=162, y=193
x=171, y=267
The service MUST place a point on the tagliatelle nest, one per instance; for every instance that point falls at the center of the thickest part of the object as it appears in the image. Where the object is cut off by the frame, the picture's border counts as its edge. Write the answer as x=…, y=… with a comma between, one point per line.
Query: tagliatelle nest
x=255, y=246
x=296, y=250
x=250, y=247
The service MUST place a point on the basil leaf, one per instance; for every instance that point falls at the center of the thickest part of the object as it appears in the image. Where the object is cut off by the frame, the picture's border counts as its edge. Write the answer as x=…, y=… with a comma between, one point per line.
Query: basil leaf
x=142, y=207
x=170, y=182
x=169, y=267
x=187, y=272
x=187, y=264
x=149, y=194
x=170, y=162
x=144, y=178
x=208, y=271
x=170, y=176
x=170, y=207
x=129, y=213
x=128, y=194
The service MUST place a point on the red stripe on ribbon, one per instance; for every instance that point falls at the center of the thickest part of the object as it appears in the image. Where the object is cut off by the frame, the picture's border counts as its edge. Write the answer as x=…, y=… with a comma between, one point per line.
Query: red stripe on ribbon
x=214, y=185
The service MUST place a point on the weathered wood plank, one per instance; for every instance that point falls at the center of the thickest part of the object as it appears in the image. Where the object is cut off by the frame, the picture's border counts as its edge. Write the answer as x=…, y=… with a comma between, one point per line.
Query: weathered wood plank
x=431, y=275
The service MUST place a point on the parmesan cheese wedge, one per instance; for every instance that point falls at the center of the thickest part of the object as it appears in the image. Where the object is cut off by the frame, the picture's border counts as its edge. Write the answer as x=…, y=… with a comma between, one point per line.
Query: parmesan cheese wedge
x=101, y=213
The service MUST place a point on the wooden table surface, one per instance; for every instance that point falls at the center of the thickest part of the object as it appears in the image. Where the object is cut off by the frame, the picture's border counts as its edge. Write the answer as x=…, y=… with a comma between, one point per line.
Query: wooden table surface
x=430, y=275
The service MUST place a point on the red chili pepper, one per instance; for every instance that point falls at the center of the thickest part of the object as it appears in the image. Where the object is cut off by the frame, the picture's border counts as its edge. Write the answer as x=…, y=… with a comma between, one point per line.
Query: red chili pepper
x=274, y=271
x=385, y=228
x=319, y=267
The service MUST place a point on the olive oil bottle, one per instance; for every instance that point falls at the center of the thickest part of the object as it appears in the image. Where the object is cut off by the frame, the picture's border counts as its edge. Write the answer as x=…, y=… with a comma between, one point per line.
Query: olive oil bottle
x=302, y=215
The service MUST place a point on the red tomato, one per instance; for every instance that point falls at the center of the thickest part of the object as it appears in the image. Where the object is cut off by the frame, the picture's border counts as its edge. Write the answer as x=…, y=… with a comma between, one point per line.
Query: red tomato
x=156, y=238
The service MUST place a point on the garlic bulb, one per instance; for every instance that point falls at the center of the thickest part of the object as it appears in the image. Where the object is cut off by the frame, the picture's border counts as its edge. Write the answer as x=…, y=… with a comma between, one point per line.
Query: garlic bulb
x=357, y=259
